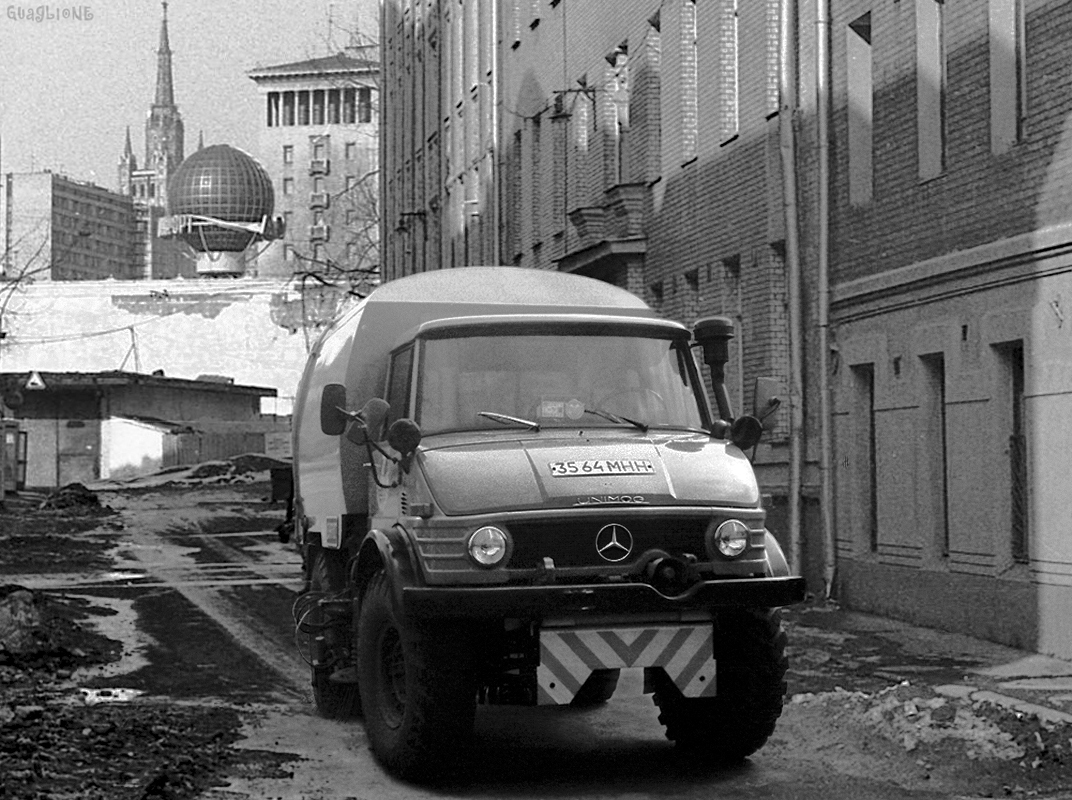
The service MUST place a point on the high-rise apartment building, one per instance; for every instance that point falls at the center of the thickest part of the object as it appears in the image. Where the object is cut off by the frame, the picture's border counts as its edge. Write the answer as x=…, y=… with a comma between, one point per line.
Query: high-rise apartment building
x=53, y=228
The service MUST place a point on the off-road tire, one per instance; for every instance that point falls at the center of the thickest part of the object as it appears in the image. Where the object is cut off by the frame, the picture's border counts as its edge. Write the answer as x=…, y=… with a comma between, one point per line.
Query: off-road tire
x=751, y=666
x=327, y=576
x=417, y=687
x=598, y=689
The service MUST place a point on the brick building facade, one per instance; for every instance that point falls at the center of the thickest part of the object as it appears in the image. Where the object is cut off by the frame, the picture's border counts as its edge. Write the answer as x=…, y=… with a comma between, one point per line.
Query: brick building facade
x=952, y=251
x=640, y=142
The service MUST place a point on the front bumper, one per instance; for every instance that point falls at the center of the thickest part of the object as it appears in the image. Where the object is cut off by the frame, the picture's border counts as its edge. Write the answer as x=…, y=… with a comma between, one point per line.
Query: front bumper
x=539, y=602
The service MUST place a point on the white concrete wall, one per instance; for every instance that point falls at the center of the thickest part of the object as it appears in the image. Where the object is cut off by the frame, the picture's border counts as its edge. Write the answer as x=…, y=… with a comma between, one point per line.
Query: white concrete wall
x=246, y=329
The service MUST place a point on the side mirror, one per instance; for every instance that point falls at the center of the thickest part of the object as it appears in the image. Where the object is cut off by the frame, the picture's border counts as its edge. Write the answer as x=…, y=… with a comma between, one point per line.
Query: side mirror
x=366, y=425
x=404, y=436
x=333, y=416
x=767, y=400
x=746, y=431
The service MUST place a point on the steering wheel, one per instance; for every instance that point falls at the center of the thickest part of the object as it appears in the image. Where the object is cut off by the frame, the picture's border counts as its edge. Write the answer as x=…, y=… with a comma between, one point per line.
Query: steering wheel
x=641, y=392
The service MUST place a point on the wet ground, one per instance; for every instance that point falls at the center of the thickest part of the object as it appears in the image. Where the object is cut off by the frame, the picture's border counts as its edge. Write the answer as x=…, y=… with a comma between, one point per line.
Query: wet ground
x=163, y=665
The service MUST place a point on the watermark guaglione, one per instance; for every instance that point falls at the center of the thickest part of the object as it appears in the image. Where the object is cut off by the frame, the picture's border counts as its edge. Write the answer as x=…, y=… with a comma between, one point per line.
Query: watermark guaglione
x=47, y=13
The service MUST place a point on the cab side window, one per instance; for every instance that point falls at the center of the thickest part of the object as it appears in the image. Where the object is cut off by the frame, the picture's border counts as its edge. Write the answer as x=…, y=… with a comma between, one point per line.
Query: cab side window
x=398, y=384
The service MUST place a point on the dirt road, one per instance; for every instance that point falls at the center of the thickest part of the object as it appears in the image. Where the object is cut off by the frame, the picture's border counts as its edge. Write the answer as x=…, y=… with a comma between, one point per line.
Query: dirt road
x=207, y=694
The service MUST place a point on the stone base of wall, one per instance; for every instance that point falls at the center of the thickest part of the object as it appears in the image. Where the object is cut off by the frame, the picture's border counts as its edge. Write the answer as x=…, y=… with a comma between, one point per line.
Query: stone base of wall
x=1002, y=611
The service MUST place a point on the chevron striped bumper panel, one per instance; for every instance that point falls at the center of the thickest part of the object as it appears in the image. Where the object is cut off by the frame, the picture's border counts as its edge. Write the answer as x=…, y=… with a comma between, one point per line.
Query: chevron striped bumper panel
x=568, y=656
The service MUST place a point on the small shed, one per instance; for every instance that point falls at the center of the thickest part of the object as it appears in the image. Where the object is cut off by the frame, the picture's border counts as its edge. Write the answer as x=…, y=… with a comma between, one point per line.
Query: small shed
x=86, y=426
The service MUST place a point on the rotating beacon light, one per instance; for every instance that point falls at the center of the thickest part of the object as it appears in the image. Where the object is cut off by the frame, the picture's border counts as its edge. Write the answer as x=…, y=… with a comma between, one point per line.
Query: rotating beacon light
x=220, y=201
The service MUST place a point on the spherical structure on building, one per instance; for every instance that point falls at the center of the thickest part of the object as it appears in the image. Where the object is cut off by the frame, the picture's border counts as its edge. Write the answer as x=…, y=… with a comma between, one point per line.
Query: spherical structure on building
x=222, y=183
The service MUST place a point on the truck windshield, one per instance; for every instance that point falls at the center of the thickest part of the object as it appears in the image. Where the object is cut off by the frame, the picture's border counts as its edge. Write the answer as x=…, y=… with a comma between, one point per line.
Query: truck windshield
x=564, y=381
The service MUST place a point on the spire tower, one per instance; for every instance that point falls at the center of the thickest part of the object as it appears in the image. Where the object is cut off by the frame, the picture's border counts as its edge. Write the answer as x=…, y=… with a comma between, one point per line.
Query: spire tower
x=165, y=91
x=164, y=129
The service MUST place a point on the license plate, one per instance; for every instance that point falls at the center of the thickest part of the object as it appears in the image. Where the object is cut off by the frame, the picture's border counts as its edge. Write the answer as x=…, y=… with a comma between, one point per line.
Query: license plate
x=622, y=466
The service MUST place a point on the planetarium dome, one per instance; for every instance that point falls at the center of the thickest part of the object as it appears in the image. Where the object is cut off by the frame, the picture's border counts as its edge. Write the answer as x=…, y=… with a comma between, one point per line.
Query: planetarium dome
x=222, y=183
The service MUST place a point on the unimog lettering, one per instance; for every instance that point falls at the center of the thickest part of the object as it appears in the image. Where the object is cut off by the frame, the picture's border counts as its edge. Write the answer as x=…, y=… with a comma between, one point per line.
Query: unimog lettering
x=447, y=562
x=610, y=499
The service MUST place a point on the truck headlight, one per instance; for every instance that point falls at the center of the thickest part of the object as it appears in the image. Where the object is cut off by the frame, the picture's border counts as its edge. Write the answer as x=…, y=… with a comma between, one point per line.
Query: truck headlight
x=487, y=546
x=731, y=538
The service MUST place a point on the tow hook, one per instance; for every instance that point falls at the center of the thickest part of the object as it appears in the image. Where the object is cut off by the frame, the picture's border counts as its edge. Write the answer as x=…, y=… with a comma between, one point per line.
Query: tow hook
x=669, y=575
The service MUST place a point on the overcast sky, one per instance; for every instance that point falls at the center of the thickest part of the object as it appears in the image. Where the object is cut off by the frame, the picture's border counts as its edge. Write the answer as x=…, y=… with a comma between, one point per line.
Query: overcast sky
x=70, y=87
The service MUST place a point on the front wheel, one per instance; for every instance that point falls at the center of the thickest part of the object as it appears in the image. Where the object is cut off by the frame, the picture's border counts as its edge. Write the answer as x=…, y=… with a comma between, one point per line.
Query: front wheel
x=751, y=665
x=417, y=687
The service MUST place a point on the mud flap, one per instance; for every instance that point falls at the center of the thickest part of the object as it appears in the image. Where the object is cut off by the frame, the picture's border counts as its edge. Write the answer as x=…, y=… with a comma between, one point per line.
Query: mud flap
x=568, y=656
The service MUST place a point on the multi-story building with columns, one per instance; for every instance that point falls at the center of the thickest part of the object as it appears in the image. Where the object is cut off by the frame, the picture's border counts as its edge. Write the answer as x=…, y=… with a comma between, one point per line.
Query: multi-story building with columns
x=883, y=209
x=319, y=141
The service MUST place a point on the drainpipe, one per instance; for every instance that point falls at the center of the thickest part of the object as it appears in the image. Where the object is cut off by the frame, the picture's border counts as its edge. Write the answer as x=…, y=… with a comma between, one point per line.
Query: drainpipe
x=787, y=144
x=822, y=72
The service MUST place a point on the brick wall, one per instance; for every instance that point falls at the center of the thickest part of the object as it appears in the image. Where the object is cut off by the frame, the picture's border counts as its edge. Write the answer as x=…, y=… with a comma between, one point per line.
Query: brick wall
x=980, y=197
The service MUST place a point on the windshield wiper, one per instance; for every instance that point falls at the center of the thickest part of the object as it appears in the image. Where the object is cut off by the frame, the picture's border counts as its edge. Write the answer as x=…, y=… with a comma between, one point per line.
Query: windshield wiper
x=599, y=412
x=506, y=419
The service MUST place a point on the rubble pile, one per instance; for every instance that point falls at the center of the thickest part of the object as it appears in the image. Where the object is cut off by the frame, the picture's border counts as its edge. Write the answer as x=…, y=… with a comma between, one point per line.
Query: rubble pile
x=61, y=740
x=42, y=633
x=73, y=496
x=63, y=749
x=236, y=469
x=919, y=721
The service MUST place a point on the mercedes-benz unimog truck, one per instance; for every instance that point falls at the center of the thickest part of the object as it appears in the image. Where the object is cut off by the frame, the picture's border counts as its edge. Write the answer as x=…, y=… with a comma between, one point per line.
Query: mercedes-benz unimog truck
x=509, y=486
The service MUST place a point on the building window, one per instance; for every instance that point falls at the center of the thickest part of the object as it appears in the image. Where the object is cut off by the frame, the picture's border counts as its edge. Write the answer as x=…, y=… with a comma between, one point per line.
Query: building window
x=318, y=107
x=288, y=108
x=348, y=106
x=773, y=94
x=1011, y=359
x=933, y=428
x=536, y=181
x=931, y=87
x=334, y=107
x=619, y=88
x=1008, y=74
x=351, y=151
x=860, y=108
x=288, y=186
x=689, y=81
x=288, y=154
x=303, y=108
x=364, y=104
x=864, y=467
x=728, y=69
x=273, y=110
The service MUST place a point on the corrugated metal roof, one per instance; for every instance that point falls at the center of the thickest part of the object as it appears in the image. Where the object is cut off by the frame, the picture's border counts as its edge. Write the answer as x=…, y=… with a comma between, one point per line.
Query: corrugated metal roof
x=88, y=380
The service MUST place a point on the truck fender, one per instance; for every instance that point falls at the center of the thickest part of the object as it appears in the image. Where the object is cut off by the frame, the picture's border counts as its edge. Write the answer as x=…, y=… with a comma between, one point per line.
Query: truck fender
x=777, y=566
x=390, y=551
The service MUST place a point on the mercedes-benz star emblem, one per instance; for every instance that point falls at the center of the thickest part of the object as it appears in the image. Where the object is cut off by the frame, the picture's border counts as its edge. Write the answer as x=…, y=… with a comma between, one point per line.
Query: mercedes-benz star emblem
x=614, y=542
